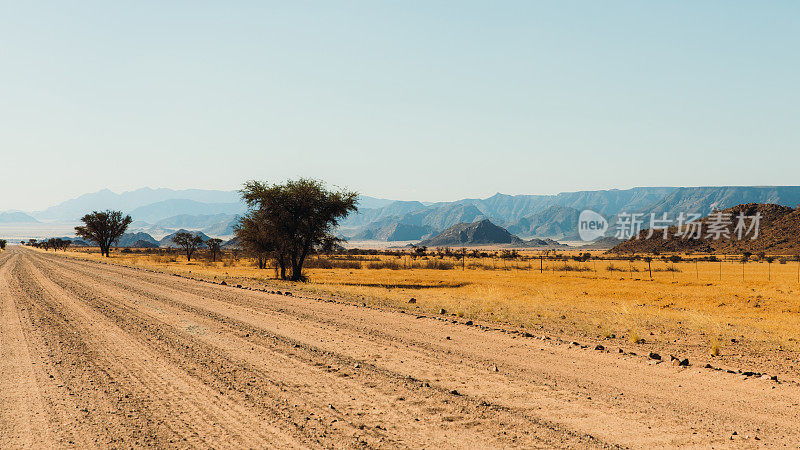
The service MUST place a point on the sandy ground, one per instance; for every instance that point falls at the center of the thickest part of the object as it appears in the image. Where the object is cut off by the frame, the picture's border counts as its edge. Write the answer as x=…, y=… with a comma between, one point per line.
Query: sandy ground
x=94, y=355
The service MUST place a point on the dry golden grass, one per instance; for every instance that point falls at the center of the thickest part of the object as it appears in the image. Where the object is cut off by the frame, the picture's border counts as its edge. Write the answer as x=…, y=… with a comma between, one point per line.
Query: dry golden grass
x=708, y=300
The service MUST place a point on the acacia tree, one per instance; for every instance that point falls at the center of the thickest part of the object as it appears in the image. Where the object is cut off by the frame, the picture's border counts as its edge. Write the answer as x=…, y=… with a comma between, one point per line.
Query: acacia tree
x=104, y=228
x=58, y=244
x=213, y=245
x=288, y=221
x=190, y=242
x=253, y=233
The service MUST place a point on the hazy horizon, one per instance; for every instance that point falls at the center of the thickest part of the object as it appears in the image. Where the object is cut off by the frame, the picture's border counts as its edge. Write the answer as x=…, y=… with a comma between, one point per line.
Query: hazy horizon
x=367, y=194
x=431, y=103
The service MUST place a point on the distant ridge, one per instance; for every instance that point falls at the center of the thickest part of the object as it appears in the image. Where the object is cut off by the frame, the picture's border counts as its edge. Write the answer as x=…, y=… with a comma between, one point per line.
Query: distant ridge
x=74, y=209
x=16, y=217
x=704, y=200
x=159, y=211
x=395, y=232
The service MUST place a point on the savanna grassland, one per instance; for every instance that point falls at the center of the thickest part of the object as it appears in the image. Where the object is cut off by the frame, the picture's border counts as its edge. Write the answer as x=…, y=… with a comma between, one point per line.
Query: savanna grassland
x=720, y=311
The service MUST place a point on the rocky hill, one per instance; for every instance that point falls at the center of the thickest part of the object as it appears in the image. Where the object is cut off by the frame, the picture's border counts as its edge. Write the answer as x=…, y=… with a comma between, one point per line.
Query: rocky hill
x=778, y=233
x=136, y=240
x=144, y=244
x=480, y=232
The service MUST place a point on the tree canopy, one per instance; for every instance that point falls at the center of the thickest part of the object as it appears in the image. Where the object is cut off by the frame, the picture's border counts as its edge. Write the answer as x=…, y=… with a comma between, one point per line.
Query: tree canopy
x=103, y=228
x=188, y=241
x=286, y=222
x=214, y=246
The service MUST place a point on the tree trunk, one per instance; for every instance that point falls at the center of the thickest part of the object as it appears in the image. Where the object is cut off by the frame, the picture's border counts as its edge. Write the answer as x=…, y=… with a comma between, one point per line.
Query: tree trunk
x=282, y=265
x=297, y=265
x=297, y=270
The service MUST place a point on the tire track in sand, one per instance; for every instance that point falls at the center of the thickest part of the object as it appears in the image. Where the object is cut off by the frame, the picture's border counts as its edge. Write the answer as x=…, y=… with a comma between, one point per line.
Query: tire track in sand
x=195, y=412
x=24, y=422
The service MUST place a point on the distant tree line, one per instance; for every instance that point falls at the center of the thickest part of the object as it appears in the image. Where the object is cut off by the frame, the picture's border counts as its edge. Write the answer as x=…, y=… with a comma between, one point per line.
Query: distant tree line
x=50, y=244
x=190, y=242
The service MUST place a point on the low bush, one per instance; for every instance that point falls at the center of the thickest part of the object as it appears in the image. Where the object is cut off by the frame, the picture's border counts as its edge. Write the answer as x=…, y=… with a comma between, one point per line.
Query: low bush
x=324, y=263
x=436, y=264
x=570, y=268
x=667, y=269
x=392, y=265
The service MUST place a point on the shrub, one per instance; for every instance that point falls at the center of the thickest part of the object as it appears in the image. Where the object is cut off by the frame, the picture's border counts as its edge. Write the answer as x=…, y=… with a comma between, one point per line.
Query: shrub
x=318, y=263
x=346, y=264
x=393, y=265
x=570, y=268
x=438, y=265
x=613, y=268
x=715, y=348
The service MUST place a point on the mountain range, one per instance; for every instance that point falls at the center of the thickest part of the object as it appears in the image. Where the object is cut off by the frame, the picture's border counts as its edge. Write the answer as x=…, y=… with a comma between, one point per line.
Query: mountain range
x=74, y=209
x=160, y=212
x=556, y=216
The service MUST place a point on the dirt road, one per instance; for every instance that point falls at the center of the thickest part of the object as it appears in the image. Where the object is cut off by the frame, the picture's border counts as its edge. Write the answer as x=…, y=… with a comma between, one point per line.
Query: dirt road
x=94, y=355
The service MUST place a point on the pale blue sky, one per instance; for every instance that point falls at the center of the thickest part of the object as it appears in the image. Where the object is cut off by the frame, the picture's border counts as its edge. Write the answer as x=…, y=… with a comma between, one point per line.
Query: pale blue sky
x=411, y=100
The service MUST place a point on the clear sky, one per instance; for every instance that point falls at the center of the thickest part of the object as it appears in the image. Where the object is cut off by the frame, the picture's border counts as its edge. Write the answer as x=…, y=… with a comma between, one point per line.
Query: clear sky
x=425, y=100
